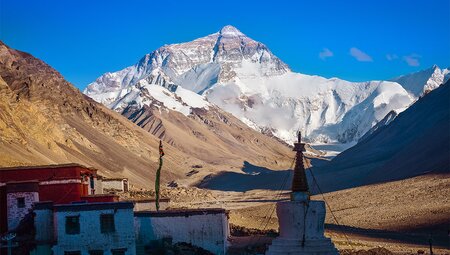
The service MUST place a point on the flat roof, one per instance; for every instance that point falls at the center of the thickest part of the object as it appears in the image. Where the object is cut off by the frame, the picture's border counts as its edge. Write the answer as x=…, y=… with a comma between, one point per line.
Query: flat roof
x=93, y=206
x=101, y=195
x=52, y=166
x=114, y=179
x=180, y=212
x=144, y=200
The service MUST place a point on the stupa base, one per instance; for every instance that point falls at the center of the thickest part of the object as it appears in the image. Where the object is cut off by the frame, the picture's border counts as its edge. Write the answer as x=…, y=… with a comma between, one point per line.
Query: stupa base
x=301, y=229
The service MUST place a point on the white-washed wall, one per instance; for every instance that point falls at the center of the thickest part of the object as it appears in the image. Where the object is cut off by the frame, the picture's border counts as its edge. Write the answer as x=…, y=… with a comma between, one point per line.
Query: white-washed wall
x=209, y=231
x=98, y=186
x=15, y=214
x=113, y=184
x=91, y=238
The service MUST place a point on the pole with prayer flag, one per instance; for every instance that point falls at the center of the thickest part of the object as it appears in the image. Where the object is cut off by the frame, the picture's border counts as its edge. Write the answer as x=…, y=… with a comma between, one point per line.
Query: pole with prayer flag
x=158, y=174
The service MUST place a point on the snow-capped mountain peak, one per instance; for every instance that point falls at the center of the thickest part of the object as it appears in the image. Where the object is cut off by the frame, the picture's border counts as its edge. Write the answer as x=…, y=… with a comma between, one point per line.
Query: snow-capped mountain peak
x=243, y=77
x=194, y=65
x=230, y=31
x=422, y=82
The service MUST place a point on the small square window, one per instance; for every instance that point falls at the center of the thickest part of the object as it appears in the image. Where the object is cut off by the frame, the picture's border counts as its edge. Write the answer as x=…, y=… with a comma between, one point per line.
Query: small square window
x=107, y=223
x=20, y=202
x=72, y=225
x=95, y=252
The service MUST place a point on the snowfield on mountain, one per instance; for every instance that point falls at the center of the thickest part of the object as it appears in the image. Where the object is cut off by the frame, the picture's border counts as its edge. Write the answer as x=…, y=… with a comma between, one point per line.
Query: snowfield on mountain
x=422, y=82
x=244, y=78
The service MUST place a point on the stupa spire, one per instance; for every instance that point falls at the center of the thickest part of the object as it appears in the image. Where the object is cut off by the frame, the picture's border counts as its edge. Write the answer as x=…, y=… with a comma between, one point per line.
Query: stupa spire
x=299, y=182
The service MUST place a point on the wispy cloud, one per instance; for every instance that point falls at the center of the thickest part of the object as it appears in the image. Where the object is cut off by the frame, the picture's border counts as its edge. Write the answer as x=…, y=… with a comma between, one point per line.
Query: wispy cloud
x=360, y=55
x=391, y=57
x=325, y=53
x=412, y=60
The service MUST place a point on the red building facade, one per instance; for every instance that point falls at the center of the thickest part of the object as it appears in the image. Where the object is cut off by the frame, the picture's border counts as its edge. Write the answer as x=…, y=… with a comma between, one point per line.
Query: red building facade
x=61, y=184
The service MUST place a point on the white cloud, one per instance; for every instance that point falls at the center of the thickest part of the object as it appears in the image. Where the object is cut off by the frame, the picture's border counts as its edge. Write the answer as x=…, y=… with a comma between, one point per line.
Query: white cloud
x=412, y=60
x=325, y=53
x=360, y=55
x=391, y=57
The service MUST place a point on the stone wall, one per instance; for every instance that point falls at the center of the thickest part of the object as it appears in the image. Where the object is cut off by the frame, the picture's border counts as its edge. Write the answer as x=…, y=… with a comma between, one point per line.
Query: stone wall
x=150, y=205
x=206, y=228
x=90, y=236
x=98, y=186
x=16, y=213
x=116, y=184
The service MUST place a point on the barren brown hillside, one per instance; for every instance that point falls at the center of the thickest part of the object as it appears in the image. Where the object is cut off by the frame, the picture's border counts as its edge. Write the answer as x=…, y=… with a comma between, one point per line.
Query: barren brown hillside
x=45, y=120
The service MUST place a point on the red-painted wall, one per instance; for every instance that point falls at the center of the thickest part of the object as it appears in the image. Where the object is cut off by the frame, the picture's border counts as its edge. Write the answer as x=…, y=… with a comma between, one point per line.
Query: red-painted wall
x=58, y=193
x=42, y=174
x=61, y=193
x=61, y=186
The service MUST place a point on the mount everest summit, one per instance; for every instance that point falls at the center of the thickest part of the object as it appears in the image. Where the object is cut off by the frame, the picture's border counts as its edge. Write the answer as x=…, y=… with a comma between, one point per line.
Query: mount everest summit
x=243, y=77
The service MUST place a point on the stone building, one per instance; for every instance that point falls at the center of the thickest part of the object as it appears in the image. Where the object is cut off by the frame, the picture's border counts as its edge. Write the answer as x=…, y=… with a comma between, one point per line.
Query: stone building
x=94, y=228
x=206, y=228
x=116, y=184
x=70, y=217
x=20, y=187
x=113, y=228
x=20, y=197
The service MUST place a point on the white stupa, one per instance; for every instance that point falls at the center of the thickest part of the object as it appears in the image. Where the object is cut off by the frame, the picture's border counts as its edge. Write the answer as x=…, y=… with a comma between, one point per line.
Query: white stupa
x=301, y=221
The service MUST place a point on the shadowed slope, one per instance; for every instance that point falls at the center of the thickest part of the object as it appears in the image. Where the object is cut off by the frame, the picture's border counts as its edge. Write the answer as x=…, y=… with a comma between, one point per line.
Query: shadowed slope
x=415, y=143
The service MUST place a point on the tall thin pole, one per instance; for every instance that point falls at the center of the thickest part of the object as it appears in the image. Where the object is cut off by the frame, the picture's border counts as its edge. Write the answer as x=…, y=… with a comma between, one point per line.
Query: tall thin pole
x=430, y=240
x=158, y=174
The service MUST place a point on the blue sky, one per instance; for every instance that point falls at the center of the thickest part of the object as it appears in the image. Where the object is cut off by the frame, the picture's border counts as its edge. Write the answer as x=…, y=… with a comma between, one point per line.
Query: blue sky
x=353, y=40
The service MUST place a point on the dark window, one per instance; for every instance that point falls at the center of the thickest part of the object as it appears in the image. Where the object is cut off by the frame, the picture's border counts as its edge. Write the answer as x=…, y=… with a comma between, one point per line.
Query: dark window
x=107, y=223
x=118, y=251
x=125, y=185
x=72, y=225
x=72, y=253
x=96, y=252
x=20, y=202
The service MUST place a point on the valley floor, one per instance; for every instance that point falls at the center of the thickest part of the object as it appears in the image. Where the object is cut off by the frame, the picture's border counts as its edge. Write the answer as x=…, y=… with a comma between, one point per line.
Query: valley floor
x=399, y=216
x=331, y=150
